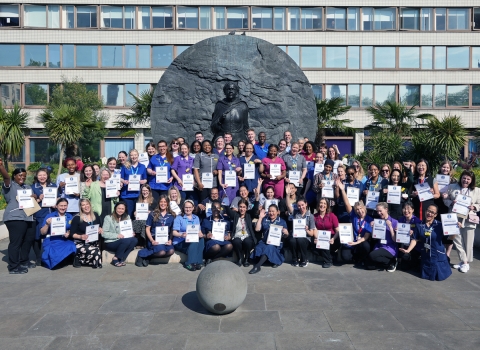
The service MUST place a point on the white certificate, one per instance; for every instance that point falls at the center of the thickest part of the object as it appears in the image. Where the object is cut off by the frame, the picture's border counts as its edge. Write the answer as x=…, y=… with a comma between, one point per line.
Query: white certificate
x=92, y=233
x=248, y=171
x=25, y=199
x=49, y=197
x=327, y=190
x=57, y=226
x=218, y=231
x=443, y=182
x=372, y=199
x=394, y=194
x=403, y=233
x=345, y=232
x=462, y=204
x=299, y=228
x=318, y=169
x=71, y=185
x=175, y=208
x=161, y=174
x=161, y=234
x=207, y=180
x=187, y=180
x=450, y=224
x=142, y=211
x=143, y=159
x=134, y=182
x=126, y=228
x=423, y=192
x=379, y=229
x=230, y=178
x=323, y=240
x=116, y=178
x=192, y=234
x=269, y=202
x=294, y=176
x=111, y=189
x=208, y=209
x=274, y=235
x=353, y=195
x=275, y=170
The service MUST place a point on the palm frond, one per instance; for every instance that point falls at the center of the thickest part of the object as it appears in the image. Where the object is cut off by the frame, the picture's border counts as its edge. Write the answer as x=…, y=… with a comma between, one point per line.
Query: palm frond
x=138, y=116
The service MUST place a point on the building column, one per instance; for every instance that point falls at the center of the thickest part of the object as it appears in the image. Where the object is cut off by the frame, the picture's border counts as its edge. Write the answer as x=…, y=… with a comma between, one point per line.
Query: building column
x=139, y=142
x=359, y=141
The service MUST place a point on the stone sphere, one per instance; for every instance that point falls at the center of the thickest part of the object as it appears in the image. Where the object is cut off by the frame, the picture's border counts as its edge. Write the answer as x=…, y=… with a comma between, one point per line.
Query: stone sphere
x=221, y=287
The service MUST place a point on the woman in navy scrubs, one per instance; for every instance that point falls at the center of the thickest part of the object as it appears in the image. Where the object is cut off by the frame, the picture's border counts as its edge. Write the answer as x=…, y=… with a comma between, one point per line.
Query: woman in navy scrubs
x=215, y=249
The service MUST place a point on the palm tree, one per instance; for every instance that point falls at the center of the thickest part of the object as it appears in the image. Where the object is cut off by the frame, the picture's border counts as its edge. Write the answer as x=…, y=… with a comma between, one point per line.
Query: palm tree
x=139, y=115
x=328, y=112
x=395, y=117
x=13, y=124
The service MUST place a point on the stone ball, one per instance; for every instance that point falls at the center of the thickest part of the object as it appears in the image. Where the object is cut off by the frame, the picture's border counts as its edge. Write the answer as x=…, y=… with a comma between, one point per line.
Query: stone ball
x=221, y=287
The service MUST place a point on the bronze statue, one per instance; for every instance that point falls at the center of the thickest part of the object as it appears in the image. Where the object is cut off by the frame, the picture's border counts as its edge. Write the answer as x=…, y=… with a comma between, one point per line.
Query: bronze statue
x=230, y=114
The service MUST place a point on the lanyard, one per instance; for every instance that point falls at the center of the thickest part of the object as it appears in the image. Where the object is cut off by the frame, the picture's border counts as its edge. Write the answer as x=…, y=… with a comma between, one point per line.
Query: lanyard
x=161, y=158
x=361, y=225
x=136, y=170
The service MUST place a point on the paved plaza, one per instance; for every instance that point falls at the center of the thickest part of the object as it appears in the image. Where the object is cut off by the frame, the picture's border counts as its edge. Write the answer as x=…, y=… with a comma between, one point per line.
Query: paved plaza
x=286, y=308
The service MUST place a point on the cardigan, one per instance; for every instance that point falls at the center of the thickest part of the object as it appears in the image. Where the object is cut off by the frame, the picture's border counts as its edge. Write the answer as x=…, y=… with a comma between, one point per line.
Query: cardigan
x=94, y=194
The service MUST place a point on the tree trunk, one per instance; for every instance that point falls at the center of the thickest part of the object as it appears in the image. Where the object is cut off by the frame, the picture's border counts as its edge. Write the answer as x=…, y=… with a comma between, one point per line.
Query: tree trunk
x=60, y=160
x=5, y=162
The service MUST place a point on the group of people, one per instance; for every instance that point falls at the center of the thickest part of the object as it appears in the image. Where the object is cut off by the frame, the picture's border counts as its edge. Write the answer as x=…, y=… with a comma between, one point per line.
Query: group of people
x=254, y=201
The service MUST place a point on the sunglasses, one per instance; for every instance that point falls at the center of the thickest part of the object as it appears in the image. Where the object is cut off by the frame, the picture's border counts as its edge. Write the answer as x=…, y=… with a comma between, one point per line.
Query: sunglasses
x=385, y=171
x=174, y=143
x=350, y=174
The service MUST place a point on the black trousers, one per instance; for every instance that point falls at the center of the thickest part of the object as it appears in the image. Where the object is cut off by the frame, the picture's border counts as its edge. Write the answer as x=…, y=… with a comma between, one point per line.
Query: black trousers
x=157, y=193
x=409, y=261
x=298, y=247
x=326, y=254
x=380, y=256
x=21, y=235
x=358, y=254
x=243, y=248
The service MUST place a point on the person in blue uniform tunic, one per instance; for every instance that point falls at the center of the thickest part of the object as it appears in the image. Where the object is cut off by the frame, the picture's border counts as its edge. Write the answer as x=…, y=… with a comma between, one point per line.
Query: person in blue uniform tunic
x=215, y=249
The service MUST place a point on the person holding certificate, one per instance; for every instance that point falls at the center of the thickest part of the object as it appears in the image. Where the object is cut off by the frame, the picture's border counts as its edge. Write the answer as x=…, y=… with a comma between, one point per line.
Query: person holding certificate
x=216, y=230
x=64, y=192
x=353, y=188
x=422, y=176
x=20, y=226
x=176, y=200
x=304, y=229
x=273, y=171
x=385, y=251
x=159, y=229
x=464, y=241
x=88, y=253
x=316, y=168
x=57, y=248
x=375, y=183
x=269, y=251
x=100, y=195
x=395, y=194
x=158, y=171
x=325, y=220
x=428, y=235
x=149, y=204
x=187, y=227
x=182, y=172
x=133, y=175
x=205, y=171
x=87, y=177
x=411, y=260
x=334, y=154
x=321, y=179
x=228, y=167
x=296, y=166
x=250, y=174
x=243, y=194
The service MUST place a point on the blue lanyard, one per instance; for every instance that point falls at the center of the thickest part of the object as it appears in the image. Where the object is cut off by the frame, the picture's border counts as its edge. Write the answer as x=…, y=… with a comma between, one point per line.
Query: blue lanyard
x=160, y=158
x=136, y=170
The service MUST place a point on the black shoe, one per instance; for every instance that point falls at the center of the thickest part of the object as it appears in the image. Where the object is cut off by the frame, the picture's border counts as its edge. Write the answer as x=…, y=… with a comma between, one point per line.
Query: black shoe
x=208, y=261
x=18, y=271
x=76, y=262
x=99, y=266
x=146, y=262
x=254, y=270
x=326, y=265
x=190, y=267
x=304, y=263
x=246, y=263
x=239, y=262
x=295, y=263
x=274, y=266
x=139, y=261
x=198, y=266
x=29, y=265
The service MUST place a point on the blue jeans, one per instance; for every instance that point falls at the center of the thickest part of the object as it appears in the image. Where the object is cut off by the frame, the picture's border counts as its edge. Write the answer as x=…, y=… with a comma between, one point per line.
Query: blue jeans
x=194, y=251
x=122, y=247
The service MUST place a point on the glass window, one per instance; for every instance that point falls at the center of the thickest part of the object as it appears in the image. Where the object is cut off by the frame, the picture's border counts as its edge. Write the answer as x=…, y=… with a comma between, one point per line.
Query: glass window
x=367, y=95
x=353, y=18
x=162, y=55
x=112, y=17
x=112, y=56
x=367, y=57
x=367, y=18
x=68, y=56
x=440, y=95
x=311, y=56
x=440, y=19
x=219, y=17
x=181, y=48
x=144, y=87
x=353, y=57
x=427, y=57
x=205, y=17
x=336, y=18
x=113, y=94
x=427, y=96
x=475, y=95
x=384, y=93
x=10, y=55
x=476, y=57
x=294, y=53
x=36, y=94
x=87, y=56
x=384, y=57
x=9, y=16
x=409, y=57
x=426, y=19
x=53, y=56
x=279, y=18
x=262, y=18
x=187, y=17
x=294, y=18
x=409, y=18
x=35, y=16
x=130, y=56
x=354, y=95
x=43, y=150
x=9, y=94
x=332, y=91
x=162, y=17
x=458, y=19
x=144, y=56
x=129, y=17
x=457, y=95
x=113, y=146
x=311, y=18
x=35, y=56
x=130, y=88
x=86, y=16
x=476, y=18
x=336, y=57
x=69, y=16
x=440, y=57
x=237, y=18
x=317, y=91
x=53, y=16
x=385, y=19
x=282, y=47
x=92, y=87
x=145, y=14
x=458, y=57
x=410, y=95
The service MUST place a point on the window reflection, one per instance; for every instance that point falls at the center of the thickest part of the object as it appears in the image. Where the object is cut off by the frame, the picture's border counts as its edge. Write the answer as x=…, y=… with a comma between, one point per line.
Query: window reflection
x=332, y=91
x=112, y=16
x=294, y=14
x=353, y=18
x=457, y=95
x=187, y=17
x=385, y=19
x=262, y=18
x=336, y=57
x=10, y=55
x=144, y=56
x=476, y=57
x=367, y=57
x=458, y=57
x=130, y=56
x=384, y=57
x=162, y=56
x=205, y=17
x=112, y=56
x=113, y=94
x=237, y=18
x=440, y=57
x=317, y=91
x=426, y=19
x=9, y=94
x=354, y=95
x=427, y=57
x=353, y=57
x=311, y=57
x=410, y=95
x=409, y=57
x=54, y=56
x=440, y=95
x=427, y=96
x=367, y=95
x=475, y=95
x=36, y=94
x=294, y=53
x=384, y=93
x=458, y=19
x=279, y=18
x=68, y=56
x=35, y=16
x=87, y=56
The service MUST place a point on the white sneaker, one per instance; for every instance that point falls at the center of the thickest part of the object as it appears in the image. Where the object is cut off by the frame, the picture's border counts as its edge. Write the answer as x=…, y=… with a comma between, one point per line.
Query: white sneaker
x=464, y=268
x=457, y=266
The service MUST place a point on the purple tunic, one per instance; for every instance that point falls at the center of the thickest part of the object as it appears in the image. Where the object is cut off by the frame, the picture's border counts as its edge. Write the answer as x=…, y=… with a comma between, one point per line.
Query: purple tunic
x=228, y=164
x=182, y=166
x=391, y=246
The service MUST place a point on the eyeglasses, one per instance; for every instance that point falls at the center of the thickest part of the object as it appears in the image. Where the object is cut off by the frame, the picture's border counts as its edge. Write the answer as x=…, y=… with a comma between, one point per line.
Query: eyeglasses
x=430, y=212
x=385, y=171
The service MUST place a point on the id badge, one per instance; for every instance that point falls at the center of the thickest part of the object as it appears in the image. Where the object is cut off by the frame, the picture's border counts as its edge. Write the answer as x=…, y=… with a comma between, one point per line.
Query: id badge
x=383, y=241
x=426, y=246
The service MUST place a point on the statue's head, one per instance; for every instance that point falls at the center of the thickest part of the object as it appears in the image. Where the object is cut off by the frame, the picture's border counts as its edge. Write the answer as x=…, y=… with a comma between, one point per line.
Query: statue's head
x=230, y=90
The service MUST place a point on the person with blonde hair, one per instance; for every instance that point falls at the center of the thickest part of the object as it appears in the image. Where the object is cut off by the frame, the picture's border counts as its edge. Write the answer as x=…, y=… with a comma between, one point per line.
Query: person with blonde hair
x=132, y=171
